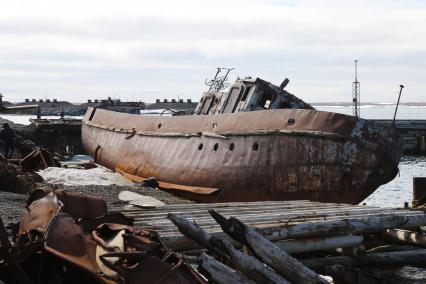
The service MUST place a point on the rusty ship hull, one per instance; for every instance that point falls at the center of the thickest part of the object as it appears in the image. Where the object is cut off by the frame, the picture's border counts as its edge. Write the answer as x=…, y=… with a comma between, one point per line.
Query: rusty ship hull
x=279, y=154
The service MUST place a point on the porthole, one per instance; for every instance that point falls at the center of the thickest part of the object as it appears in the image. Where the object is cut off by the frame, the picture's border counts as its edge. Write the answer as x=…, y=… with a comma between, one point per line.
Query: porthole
x=200, y=147
x=231, y=146
x=255, y=147
x=159, y=125
x=291, y=121
x=215, y=147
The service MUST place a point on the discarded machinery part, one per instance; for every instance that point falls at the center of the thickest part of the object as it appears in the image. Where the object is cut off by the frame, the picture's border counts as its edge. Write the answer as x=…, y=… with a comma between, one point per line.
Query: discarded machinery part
x=220, y=273
x=113, y=244
x=150, y=268
x=76, y=204
x=66, y=240
x=267, y=251
x=81, y=205
x=39, y=213
x=319, y=244
x=9, y=258
x=90, y=224
x=406, y=237
x=150, y=259
x=139, y=199
x=419, y=191
x=168, y=186
x=38, y=159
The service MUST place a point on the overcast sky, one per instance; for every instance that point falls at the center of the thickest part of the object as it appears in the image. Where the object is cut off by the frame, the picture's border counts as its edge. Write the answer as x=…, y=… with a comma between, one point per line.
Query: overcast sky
x=143, y=50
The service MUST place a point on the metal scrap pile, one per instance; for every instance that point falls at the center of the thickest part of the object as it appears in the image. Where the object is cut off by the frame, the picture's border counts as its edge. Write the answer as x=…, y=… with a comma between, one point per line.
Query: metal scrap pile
x=70, y=238
x=19, y=175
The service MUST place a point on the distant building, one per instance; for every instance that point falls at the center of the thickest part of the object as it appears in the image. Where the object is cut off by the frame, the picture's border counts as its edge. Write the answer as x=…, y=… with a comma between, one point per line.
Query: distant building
x=179, y=106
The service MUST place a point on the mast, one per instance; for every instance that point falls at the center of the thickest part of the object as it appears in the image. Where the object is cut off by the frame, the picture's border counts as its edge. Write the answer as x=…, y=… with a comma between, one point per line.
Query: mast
x=356, y=93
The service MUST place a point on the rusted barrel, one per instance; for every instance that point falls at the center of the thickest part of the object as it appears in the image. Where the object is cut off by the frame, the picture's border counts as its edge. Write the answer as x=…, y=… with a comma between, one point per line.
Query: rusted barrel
x=419, y=191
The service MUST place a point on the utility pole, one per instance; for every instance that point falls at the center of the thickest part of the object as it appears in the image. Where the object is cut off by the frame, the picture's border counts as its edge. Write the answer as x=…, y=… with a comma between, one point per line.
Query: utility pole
x=356, y=92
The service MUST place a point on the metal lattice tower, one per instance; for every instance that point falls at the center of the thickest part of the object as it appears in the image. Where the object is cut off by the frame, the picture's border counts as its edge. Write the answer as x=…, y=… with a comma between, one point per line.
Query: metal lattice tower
x=219, y=82
x=356, y=92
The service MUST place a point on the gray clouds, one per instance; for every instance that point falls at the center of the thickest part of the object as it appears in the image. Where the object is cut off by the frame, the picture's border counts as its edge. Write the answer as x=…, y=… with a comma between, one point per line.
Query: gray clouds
x=76, y=50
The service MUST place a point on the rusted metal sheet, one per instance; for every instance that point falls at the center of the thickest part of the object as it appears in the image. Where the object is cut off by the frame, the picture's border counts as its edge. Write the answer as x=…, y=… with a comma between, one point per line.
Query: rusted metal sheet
x=61, y=241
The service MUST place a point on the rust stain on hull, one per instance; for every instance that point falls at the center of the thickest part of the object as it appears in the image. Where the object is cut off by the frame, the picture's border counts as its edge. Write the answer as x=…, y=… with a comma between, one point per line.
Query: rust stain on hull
x=279, y=154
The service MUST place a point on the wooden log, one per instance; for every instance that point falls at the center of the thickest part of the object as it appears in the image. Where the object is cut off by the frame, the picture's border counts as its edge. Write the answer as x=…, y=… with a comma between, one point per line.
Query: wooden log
x=316, y=228
x=220, y=273
x=344, y=227
x=319, y=244
x=384, y=258
x=250, y=266
x=192, y=231
x=268, y=252
x=406, y=237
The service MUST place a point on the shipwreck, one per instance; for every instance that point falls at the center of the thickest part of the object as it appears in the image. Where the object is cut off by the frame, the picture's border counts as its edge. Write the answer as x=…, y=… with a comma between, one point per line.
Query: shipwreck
x=254, y=142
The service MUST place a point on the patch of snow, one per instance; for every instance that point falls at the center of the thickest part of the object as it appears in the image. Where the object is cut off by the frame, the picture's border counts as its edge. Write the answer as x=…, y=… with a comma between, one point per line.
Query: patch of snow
x=139, y=200
x=96, y=176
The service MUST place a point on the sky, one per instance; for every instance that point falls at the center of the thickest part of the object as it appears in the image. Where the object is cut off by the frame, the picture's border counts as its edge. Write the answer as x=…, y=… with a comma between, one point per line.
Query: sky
x=144, y=50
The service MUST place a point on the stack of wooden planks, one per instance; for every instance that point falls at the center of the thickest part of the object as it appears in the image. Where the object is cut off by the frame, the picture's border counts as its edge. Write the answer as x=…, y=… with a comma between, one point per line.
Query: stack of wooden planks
x=294, y=240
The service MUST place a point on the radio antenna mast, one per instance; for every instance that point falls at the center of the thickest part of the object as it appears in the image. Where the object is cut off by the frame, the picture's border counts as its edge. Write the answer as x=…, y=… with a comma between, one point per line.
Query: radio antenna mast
x=356, y=92
x=219, y=82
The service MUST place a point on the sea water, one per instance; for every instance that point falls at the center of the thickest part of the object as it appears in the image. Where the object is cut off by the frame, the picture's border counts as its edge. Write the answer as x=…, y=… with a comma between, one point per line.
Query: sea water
x=392, y=194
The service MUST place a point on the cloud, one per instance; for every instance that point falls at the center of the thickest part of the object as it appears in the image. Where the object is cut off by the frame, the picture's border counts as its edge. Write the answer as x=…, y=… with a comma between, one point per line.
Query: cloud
x=162, y=49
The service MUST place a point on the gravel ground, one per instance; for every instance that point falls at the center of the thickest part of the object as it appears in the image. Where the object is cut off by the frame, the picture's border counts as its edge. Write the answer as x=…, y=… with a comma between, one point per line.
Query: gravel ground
x=12, y=205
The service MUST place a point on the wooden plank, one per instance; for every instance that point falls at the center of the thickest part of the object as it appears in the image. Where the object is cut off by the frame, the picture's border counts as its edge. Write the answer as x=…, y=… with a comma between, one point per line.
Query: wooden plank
x=302, y=214
x=239, y=211
x=286, y=220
